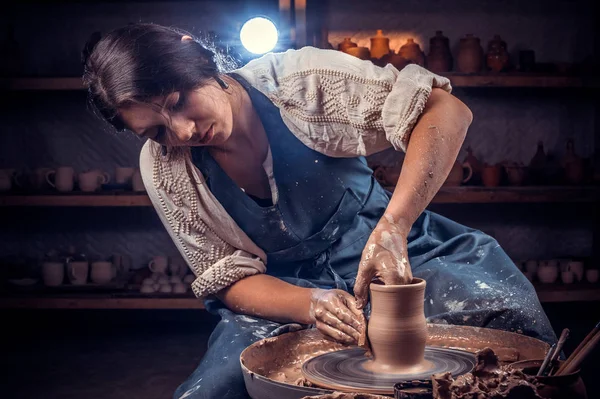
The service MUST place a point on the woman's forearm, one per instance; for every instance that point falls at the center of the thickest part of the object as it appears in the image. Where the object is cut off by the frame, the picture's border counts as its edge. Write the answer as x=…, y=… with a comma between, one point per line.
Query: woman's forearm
x=269, y=298
x=433, y=147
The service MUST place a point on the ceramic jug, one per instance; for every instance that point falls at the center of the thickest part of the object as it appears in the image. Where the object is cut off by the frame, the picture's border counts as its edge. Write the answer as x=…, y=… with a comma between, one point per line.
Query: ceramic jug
x=346, y=44
x=439, y=58
x=456, y=177
x=497, y=55
x=380, y=45
x=412, y=52
x=572, y=165
x=470, y=55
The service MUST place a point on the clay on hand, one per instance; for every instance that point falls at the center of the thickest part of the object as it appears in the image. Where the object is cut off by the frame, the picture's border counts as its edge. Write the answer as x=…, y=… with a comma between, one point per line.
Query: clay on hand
x=384, y=258
x=335, y=315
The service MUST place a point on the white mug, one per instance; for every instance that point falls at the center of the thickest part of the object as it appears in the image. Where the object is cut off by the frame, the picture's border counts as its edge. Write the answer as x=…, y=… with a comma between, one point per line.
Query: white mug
x=78, y=272
x=63, y=178
x=136, y=181
x=53, y=273
x=38, y=179
x=102, y=272
x=91, y=181
x=6, y=179
x=123, y=175
x=159, y=264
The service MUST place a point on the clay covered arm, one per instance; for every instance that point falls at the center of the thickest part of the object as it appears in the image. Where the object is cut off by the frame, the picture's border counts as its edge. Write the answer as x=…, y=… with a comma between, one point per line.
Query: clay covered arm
x=432, y=149
x=333, y=312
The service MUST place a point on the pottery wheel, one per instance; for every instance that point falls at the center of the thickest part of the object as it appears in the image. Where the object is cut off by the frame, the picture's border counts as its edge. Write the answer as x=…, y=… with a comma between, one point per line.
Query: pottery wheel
x=344, y=370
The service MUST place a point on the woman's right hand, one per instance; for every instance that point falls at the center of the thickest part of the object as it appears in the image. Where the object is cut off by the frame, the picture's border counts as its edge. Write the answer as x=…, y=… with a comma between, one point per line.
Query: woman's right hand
x=335, y=314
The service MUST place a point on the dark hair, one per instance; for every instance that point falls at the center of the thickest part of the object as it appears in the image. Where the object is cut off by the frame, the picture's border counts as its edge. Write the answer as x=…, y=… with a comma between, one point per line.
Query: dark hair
x=144, y=60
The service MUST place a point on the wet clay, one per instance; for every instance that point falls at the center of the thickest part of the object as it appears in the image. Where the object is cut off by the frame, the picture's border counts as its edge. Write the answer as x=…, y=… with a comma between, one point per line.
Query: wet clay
x=487, y=380
x=281, y=358
x=397, y=330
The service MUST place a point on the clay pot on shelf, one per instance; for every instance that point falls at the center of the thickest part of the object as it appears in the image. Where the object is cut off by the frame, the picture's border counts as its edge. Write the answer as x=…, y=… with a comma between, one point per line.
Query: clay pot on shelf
x=459, y=174
x=497, y=57
x=412, y=52
x=396, y=60
x=516, y=174
x=537, y=165
x=359, y=52
x=591, y=275
x=573, y=165
x=476, y=166
x=470, y=55
x=491, y=175
x=439, y=58
x=397, y=321
x=547, y=272
x=554, y=387
x=380, y=45
x=346, y=44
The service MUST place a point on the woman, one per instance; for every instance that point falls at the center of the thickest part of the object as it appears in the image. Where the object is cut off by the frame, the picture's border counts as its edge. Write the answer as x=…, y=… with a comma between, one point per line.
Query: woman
x=260, y=178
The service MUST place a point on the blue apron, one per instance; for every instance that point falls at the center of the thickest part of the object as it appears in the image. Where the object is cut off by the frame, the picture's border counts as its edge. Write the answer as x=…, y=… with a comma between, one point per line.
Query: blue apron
x=314, y=235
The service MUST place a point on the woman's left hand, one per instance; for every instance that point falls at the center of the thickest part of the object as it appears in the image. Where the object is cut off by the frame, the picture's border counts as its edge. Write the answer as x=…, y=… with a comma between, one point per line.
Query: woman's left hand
x=385, y=258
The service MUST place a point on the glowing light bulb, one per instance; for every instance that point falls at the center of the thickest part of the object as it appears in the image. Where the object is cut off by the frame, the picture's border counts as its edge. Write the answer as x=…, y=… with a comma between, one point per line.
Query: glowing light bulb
x=259, y=35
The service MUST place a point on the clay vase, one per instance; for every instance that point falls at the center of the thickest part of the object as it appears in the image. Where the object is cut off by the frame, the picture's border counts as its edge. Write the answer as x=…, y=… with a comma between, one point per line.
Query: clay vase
x=573, y=166
x=537, y=165
x=516, y=174
x=439, y=58
x=497, y=55
x=380, y=45
x=346, y=44
x=359, y=52
x=491, y=175
x=456, y=177
x=397, y=329
x=470, y=55
x=554, y=387
x=412, y=52
x=475, y=166
x=395, y=59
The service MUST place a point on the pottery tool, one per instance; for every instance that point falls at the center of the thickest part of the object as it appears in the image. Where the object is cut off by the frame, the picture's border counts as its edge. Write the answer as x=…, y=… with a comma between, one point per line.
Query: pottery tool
x=561, y=342
x=546, y=361
x=581, y=352
x=345, y=370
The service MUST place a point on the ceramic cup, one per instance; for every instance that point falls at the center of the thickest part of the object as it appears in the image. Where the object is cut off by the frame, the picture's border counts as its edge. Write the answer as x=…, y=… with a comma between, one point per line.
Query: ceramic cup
x=147, y=289
x=491, y=175
x=178, y=267
x=577, y=268
x=38, y=179
x=102, y=272
x=591, y=275
x=179, y=288
x=567, y=277
x=92, y=180
x=137, y=184
x=78, y=272
x=64, y=177
x=159, y=264
x=6, y=179
x=531, y=266
x=547, y=272
x=53, y=273
x=123, y=175
x=165, y=288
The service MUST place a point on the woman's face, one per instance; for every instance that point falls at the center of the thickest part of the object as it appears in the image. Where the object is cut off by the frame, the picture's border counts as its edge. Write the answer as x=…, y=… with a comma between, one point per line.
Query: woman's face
x=201, y=117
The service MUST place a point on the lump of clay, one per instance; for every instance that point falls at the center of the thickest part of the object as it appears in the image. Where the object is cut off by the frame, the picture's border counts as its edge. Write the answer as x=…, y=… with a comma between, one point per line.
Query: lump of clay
x=488, y=380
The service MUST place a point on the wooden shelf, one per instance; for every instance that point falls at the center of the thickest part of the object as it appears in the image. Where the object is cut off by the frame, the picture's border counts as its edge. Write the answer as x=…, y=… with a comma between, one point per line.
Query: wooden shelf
x=580, y=292
x=533, y=194
x=107, y=301
x=446, y=195
x=458, y=80
x=76, y=200
x=576, y=292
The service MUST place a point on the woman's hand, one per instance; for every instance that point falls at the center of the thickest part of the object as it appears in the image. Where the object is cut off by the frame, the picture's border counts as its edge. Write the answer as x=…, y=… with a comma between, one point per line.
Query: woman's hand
x=335, y=314
x=385, y=258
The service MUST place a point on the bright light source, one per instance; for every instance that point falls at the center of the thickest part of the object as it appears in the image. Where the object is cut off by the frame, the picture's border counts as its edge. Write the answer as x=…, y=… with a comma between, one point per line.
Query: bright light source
x=259, y=35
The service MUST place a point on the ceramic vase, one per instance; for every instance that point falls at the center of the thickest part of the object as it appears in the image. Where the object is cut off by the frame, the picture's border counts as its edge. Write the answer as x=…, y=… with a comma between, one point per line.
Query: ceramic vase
x=380, y=45
x=346, y=44
x=470, y=55
x=497, y=56
x=412, y=52
x=397, y=329
x=439, y=58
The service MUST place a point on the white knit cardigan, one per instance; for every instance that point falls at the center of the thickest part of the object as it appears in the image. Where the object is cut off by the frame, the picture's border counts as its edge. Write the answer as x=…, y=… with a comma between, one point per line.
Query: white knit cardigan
x=334, y=103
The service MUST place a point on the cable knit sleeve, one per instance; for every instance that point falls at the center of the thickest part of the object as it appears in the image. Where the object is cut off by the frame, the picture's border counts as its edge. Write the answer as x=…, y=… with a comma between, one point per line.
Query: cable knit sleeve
x=340, y=105
x=214, y=247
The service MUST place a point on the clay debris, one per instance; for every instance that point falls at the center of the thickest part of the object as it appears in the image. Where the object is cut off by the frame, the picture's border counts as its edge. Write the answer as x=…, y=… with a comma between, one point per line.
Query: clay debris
x=488, y=380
